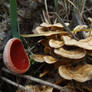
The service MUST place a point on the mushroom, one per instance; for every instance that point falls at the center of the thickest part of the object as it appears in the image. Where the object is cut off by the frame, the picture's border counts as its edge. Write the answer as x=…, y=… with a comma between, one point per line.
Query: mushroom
x=49, y=29
x=55, y=43
x=39, y=30
x=84, y=43
x=79, y=27
x=38, y=57
x=45, y=32
x=80, y=73
x=59, y=25
x=49, y=59
x=43, y=58
x=15, y=57
x=45, y=24
x=76, y=53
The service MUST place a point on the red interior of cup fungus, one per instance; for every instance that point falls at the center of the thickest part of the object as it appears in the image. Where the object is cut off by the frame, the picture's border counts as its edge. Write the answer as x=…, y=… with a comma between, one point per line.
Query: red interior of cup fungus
x=15, y=57
x=18, y=55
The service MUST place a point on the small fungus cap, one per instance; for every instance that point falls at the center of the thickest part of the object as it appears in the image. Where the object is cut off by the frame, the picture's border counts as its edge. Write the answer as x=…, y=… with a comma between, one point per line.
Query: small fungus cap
x=43, y=58
x=79, y=27
x=50, y=59
x=38, y=57
x=55, y=43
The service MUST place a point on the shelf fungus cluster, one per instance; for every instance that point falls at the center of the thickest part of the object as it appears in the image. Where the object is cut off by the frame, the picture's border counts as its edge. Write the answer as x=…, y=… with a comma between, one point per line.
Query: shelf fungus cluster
x=63, y=49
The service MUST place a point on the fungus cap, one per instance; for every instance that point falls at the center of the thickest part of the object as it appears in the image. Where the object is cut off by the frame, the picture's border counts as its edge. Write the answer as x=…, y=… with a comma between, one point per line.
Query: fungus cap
x=80, y=73
x=84, y=43
x=15, y=57
x=38, y=57
x=71, y=54
x=80, y=27
x=44, y=31
x=53, y=25
x=55, y=43
x=49, y=59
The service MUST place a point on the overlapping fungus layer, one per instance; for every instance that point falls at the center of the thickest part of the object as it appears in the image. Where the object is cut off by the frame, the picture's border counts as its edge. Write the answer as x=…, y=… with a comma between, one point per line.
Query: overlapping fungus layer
x=66, y=50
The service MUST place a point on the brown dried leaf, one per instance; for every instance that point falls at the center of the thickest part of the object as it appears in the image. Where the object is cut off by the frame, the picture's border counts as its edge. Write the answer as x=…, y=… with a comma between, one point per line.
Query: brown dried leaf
x=43, y=74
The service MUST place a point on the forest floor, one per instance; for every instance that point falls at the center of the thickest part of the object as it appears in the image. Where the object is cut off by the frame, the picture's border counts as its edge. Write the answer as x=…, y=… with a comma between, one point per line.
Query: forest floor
x=45, y=75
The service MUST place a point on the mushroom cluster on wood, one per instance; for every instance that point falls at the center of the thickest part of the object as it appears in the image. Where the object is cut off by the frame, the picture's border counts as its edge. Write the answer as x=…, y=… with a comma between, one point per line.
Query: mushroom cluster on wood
x=66, y=51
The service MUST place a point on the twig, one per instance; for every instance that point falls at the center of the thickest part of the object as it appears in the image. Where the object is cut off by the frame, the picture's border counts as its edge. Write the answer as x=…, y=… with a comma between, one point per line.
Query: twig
x=39, y=81
x=80, y=23
x=46, y=7
x=15, y=84
x=72, y=4
x=66, y=28
x=83, y=3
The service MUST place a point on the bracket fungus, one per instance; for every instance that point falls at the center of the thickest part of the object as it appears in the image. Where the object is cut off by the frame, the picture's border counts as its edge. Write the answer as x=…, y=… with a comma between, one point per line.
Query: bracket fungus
x=84, y=43
x=77, y=53
x=15, y=57
x=64, y=52
x=49, y=59
x=79, y=27
x=56, y=25
x=81, y=73
x=38, y=57
x=50, y=29
x=43, y=58
x=55, y=43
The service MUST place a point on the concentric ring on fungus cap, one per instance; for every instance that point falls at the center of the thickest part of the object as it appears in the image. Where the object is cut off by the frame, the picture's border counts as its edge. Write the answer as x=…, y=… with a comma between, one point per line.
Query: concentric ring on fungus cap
x=43, y=58
x=55, y=43
x=84, y=43
x=50, y=59
x=38, y=57
x=77, y=53
x=80, y=73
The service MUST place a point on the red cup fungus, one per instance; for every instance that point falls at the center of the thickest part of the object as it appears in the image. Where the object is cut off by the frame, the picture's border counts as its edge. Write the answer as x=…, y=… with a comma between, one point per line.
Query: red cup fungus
x=15, y=57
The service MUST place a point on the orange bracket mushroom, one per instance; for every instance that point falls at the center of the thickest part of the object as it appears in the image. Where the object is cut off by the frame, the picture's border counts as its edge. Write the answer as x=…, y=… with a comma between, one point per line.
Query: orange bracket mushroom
x=15, y=57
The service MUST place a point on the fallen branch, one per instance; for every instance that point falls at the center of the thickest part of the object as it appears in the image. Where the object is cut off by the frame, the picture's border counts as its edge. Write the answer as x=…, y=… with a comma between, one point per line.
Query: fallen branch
x=15, y=84
x=39, y=81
